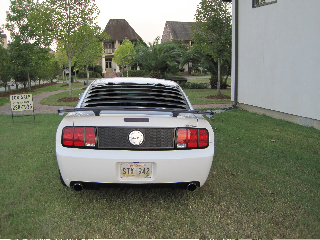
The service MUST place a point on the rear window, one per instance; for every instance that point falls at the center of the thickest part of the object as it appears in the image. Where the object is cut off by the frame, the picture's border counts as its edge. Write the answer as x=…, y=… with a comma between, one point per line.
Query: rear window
x=135, y=95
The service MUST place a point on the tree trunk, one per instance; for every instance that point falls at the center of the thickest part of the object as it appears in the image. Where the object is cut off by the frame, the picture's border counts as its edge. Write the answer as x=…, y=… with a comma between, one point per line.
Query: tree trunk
x=87, y=70
x=29, y=82
x=70, y=86
x=219, y=77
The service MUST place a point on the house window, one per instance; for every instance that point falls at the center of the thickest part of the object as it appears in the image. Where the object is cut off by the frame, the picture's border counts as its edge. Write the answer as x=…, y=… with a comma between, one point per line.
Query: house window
x=259, y=3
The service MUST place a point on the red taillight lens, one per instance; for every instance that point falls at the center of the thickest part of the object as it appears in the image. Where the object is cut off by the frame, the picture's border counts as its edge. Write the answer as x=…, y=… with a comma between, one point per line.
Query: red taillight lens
x=90, y=137
x=192, y=138
x=79, y=136
x=203, y=138
x=67, y=136
x=182, y=138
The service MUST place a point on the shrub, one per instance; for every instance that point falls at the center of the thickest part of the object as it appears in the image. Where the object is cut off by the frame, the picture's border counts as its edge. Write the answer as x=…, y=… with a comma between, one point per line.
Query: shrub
x=137, y=73
x=82, y=74
x=214, y=83
x=192, y=85
x=199, y=74
x=91, y=74
x=98, y=69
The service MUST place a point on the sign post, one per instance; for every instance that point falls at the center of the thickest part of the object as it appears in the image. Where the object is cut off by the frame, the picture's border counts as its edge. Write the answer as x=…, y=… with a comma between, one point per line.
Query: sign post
x=22, y=102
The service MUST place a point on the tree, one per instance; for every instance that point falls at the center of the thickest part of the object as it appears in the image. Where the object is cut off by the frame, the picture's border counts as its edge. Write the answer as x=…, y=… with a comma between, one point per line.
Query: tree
x=124, y=54
x=213, y=32
x=93, y=50
x=68, y=18
x=62, y=59
x=49, y=69
x=27, y=60
x=27, y=38
x=5, y=67
x=160, y=58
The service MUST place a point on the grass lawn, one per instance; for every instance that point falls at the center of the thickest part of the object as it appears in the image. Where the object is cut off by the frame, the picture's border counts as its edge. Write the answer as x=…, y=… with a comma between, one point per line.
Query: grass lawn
x=264, y=183
x=198, y=96
x=56, y=87
x=205, y=79
x=53, y=99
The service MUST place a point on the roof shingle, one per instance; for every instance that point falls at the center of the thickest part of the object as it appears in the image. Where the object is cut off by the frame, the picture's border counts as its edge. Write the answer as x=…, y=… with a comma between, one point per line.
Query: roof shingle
x=119, y=29
x=180, y=30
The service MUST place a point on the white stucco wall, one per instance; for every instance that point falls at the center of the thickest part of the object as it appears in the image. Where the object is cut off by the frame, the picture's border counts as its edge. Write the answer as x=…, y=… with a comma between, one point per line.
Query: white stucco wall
x=279, y=56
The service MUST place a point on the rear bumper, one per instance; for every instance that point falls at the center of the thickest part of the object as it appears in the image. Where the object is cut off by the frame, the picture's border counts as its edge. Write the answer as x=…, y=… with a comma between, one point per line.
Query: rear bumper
x=103, y=166
x=96, y=186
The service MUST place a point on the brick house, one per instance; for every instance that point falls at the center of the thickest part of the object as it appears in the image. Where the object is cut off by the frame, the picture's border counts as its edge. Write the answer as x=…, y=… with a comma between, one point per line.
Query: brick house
x=118, y=29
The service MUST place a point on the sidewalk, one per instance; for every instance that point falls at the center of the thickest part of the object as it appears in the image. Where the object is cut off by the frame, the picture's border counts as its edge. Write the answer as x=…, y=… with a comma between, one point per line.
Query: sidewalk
x=38, y=108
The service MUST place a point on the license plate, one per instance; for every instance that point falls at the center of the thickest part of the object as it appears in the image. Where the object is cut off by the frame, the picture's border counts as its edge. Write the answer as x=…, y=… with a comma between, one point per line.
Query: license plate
x=136, y=170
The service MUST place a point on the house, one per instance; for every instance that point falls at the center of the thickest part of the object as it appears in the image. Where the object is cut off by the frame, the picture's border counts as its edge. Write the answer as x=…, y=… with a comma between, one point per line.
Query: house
x=178, y=31
x=118, y=29
x=4, y=41
x=276, y=59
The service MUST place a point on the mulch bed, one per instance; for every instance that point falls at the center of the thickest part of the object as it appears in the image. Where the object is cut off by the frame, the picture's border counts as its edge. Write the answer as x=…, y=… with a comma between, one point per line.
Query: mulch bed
x=69, y=99
x=219, y=96
x=25, y=90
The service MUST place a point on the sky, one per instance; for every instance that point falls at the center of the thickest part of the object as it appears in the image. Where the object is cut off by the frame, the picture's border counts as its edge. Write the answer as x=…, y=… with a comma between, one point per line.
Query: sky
x=146, y=17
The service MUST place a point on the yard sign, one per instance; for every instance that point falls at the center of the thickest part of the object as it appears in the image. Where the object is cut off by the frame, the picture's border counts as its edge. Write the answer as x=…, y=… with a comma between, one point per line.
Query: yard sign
x=22, y=102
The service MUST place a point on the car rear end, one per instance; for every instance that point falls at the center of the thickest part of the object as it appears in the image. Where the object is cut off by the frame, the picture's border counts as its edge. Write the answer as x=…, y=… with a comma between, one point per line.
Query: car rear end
x=129, y=146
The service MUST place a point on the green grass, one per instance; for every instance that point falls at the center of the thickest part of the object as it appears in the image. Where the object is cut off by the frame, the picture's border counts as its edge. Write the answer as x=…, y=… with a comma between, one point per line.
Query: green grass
x=205, y=80
x=56, y=87
x=53, y=99
x=198, y=96
x=199, y=80
x=257, y=187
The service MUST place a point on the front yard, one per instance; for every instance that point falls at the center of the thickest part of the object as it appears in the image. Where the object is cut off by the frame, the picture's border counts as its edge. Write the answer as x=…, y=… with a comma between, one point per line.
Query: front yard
x=264, y=183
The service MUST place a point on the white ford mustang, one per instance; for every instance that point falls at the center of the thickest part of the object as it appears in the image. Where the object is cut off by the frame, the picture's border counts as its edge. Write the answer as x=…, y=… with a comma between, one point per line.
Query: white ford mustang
x=135, y=131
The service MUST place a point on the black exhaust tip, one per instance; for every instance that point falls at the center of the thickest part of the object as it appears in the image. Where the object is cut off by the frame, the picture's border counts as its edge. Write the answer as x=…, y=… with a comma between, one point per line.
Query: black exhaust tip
x=191, y=187
x=78, y=187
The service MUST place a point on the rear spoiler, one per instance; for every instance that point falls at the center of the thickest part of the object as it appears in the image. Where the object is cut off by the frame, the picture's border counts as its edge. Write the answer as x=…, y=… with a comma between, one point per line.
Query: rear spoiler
x=97, y=110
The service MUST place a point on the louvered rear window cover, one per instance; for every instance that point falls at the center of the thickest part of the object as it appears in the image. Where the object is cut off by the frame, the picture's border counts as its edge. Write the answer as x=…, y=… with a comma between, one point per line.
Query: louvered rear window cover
x=135, y=95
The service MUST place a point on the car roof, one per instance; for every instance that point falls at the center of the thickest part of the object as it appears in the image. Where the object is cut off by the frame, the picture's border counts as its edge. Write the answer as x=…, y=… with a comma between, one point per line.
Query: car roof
x=134, y=80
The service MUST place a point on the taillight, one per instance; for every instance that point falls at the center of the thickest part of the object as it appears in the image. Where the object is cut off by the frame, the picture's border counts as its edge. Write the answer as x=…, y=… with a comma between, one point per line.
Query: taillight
x=90, y=137
x=79, y=137
x=67, y=136
x=182, y=138
x=203, y=138
x=192, y=138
